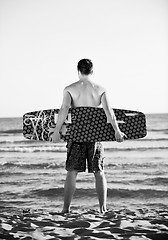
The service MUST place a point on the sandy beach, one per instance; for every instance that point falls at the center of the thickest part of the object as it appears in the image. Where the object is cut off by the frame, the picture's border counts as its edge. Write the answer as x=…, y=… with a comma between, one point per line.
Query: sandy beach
x=139, y=224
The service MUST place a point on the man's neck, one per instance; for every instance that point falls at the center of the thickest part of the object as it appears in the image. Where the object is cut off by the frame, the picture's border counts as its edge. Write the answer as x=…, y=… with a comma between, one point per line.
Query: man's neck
x=85, y=78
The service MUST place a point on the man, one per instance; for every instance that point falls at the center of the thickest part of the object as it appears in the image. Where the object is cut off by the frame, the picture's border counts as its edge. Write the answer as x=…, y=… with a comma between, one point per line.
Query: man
x=84, y=92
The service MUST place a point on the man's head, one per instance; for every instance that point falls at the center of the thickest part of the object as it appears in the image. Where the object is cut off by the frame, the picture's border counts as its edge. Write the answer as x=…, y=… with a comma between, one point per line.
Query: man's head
x=85, y=66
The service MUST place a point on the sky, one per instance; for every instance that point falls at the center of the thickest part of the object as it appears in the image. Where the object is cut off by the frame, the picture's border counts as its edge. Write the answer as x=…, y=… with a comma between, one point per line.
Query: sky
x=41, y=42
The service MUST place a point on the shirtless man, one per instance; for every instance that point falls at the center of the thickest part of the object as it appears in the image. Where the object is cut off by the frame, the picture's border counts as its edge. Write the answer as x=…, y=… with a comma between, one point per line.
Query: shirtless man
x=85, y=93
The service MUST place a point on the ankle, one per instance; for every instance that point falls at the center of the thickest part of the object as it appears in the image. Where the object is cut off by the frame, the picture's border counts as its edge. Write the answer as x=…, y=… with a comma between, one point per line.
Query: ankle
x=103, y=209
x=65, y=210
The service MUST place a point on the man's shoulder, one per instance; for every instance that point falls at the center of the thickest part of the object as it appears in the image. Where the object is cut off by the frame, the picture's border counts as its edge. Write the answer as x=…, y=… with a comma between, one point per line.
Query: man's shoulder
x=71, y=86
x=99, y=88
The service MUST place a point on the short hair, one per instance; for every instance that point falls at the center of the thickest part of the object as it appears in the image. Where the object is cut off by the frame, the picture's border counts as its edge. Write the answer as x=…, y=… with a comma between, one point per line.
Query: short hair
x=85, y=66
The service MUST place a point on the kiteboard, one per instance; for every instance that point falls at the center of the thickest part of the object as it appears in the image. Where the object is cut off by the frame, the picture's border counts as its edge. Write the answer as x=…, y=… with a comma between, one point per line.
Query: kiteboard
x=83, y=124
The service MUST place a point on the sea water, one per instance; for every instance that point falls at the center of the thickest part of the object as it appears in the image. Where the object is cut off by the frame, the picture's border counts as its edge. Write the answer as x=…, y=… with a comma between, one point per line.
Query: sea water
x=32, y=173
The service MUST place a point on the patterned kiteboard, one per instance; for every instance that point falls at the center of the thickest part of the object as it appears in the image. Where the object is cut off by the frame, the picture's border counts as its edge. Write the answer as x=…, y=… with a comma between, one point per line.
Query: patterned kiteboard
x=83, y=124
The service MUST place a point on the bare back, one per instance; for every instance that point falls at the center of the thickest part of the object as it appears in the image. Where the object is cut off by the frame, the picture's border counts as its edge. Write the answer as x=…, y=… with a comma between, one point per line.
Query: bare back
x=85, y=93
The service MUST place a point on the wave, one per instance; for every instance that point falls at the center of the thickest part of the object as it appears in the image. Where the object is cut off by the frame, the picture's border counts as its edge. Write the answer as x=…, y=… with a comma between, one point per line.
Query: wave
x=31, y=149
x=8, y=165
x=11, y=131
x=34, y=149
x=112, y=193
x=53, y=165
x=40, y=143
x=165, y=130
x=9, y=141
x=132, y=148
x=140, y=193
x=152, y=139
x=156, y=181
x=123, y=166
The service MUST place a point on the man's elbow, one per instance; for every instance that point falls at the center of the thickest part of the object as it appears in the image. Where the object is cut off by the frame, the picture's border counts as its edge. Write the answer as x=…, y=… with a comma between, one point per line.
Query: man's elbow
x=65, y=108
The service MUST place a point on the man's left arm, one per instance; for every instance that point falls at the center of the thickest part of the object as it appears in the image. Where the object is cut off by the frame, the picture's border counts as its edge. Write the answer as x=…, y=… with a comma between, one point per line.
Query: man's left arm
x=66, y=104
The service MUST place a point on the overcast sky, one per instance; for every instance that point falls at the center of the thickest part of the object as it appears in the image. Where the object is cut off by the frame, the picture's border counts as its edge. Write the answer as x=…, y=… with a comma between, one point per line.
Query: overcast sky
x=41, y=42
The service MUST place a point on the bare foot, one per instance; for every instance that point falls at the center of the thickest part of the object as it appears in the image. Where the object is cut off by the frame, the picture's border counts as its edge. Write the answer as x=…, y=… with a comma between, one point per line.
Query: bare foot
x=103, y=210
x=65, y=211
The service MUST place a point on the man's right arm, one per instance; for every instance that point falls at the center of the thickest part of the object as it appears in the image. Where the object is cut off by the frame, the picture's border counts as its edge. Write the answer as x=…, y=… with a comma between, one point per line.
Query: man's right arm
x=111, y=118
x=66, y=104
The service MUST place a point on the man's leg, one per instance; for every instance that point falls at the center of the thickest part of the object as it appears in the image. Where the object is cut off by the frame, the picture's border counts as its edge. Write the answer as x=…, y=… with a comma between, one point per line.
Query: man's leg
x=69, y=189
x=101, y=188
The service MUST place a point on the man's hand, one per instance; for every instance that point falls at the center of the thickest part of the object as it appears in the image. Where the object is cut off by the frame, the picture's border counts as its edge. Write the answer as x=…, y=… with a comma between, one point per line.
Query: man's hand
x=119, y=136
x=55, y=137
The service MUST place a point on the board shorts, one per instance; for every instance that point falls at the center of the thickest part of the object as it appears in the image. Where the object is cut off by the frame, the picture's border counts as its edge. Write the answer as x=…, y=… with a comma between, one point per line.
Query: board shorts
x=80, y=153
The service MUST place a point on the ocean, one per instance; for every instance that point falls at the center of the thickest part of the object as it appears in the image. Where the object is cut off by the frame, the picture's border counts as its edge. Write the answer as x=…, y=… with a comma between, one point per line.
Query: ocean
x=32, y=173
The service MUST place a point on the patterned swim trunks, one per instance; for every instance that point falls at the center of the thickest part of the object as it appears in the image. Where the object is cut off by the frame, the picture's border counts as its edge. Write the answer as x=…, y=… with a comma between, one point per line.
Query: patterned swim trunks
x=78, y=153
